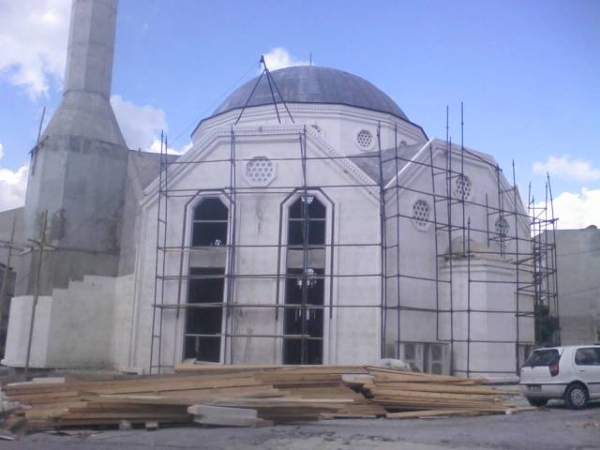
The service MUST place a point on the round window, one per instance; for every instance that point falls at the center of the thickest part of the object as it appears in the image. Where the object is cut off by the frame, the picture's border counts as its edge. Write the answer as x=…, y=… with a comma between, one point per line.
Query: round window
x=463, y=187
x=364, y=139
x=260, y=171
x=421, y=213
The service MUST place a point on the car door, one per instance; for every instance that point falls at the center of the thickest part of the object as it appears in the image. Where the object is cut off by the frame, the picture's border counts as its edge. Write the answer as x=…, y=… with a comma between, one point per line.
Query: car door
x=587, y=365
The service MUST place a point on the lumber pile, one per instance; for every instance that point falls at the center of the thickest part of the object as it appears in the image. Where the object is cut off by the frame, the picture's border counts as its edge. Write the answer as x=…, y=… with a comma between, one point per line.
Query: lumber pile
x=249, y=396
x=411, y=394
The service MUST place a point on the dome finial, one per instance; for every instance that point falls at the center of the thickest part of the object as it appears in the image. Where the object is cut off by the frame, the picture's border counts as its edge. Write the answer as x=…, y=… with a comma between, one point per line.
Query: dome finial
x=272, y=85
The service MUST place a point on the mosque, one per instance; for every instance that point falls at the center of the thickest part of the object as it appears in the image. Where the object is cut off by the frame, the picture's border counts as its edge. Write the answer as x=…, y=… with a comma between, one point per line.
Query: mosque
x=311, y=222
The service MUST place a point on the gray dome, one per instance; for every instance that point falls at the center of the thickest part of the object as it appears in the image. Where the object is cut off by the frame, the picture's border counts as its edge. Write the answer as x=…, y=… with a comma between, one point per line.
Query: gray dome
x=311, y=84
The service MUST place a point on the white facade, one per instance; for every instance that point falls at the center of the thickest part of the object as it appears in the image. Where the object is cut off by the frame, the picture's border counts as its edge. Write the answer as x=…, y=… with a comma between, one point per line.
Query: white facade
x=313, y=223
x=114, y=323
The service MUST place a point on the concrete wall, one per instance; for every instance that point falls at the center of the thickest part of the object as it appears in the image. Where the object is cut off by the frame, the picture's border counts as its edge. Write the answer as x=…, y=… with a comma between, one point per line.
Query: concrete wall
x=18, y=332
x=122, y=323
x=7, y=218
x=86, y=325
x=486, y=337
x=142, y=169
x=412, y=265
x=578, y=265
x=81, y=183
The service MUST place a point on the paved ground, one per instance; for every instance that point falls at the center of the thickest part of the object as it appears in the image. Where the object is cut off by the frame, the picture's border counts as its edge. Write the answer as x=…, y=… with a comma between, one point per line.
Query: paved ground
x=553, y=429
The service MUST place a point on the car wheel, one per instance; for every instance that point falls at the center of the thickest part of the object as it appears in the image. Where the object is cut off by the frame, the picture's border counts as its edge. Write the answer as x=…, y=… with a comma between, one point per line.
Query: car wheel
x=537, y=401
x=576, y=396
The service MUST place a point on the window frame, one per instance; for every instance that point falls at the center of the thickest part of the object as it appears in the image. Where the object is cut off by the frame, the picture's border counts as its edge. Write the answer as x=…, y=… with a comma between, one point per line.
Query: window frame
x=421, y=224
x=330, y=223
x=323, y=221
x=186, y=258
x=194, y=222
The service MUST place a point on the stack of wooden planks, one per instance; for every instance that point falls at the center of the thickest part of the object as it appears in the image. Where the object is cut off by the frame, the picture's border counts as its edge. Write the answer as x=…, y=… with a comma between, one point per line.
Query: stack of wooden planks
x=412, y=394
x=277, y=394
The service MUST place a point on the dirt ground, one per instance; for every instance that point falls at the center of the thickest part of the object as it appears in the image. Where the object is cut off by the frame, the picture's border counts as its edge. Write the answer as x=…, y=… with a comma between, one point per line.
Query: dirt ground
x=553, y=428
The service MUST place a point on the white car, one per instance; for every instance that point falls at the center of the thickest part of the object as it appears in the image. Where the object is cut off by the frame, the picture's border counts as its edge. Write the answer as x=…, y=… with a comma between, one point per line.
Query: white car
x=570, y=373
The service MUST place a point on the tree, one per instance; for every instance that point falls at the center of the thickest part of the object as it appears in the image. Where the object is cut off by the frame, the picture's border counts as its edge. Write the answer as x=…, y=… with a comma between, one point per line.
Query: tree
x=546, y=325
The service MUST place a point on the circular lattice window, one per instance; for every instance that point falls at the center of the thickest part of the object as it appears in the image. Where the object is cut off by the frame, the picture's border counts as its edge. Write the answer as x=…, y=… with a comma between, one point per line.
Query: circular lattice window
x=421, y=213
x=364, y=139
x=463, y=187
x=502, y=227
x=260, y=171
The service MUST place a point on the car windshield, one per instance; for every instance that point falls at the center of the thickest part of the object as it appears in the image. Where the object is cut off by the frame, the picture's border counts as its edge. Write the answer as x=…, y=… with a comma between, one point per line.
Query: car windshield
x=542, y=358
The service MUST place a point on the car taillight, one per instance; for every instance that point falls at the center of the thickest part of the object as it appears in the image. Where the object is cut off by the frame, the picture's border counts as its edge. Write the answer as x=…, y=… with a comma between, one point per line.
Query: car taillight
x=554, y=369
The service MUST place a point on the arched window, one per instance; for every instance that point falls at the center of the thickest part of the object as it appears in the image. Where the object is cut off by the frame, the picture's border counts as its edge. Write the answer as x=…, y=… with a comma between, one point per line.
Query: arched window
x=209, y=227
x=307, y=222
x=206, y=284
x=305, y=286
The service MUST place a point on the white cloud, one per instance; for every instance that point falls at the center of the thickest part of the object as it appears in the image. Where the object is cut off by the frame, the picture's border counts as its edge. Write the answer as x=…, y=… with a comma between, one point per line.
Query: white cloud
x=187, y=147
x=155, y=148
x=279, y=58
x=33, y=42
x=577, y=210
x=13, y=185
x=141, y=125
x=567, y=168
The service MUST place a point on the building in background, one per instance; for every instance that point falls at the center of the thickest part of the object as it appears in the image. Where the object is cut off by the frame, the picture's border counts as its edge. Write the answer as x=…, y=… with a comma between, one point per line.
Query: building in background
x=578, y=286
x=7, y=285
x=11, y=246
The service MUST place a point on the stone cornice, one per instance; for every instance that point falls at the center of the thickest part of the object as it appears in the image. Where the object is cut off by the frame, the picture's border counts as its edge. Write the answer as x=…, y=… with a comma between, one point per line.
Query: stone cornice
x=211, y=137
x=313, y=110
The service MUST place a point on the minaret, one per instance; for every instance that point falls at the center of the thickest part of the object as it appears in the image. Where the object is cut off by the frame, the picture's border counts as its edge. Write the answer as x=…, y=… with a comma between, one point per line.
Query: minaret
x=78, y=169
x=85, y=109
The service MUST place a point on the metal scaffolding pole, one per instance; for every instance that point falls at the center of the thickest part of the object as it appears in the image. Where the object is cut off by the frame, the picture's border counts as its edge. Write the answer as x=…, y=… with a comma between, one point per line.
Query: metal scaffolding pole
x=451, y=217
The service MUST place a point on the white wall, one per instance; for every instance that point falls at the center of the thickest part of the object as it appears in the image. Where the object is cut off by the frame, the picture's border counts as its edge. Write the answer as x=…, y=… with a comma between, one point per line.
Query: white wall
x=258, y=220
x=417, y=260
x=84, y=326
x=107, y=322
x=338, y=124
x=18, y=332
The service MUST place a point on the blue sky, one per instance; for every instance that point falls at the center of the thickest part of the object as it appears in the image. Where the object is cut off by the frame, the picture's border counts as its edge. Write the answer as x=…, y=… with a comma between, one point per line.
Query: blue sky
x=527, y=71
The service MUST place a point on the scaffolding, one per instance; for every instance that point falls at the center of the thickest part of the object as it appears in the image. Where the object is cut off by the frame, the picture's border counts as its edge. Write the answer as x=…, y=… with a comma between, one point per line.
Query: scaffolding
x=545, y=275
x=452, y=287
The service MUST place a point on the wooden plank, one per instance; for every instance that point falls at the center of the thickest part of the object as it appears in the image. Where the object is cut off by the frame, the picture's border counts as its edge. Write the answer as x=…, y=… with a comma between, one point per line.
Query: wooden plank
x=222, y=369
x=437, y=413
x=436, y=396
x=277, y=393
x=442, y=387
